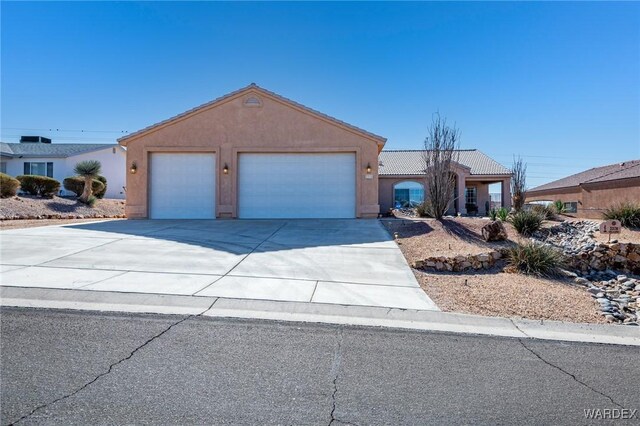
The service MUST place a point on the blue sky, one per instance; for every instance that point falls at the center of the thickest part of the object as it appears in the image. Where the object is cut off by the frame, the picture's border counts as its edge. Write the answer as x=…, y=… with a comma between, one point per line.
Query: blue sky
x=558, y=83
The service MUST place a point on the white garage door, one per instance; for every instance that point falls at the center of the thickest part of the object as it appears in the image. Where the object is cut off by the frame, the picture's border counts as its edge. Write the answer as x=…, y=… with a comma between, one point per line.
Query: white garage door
x=297, y=186
x=182, y=186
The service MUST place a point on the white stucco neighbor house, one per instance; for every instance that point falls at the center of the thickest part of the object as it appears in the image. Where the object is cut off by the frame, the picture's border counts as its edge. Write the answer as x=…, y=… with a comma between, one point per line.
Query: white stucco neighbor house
x=37, y=155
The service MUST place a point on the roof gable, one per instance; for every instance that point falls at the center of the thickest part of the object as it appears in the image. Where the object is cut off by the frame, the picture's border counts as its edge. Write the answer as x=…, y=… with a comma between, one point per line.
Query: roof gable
x=253, y=88
x=411, y=162
x=625, y=170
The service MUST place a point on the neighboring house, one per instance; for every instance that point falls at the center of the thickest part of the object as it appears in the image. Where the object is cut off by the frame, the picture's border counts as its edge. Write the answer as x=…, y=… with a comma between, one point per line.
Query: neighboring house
x=255, y=154
x=587, y=194
x=402, y=180
x=58, y=161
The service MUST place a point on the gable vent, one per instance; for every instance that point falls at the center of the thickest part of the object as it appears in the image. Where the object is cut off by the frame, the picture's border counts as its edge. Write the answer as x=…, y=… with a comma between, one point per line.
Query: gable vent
x=252, y=101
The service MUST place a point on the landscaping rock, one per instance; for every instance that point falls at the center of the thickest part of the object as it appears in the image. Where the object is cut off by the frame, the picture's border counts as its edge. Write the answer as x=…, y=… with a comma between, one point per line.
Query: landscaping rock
x=494, y=231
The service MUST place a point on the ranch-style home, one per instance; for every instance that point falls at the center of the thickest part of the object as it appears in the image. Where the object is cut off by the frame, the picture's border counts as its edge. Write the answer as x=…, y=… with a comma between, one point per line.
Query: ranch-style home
x=255, y=154
x=37, y=155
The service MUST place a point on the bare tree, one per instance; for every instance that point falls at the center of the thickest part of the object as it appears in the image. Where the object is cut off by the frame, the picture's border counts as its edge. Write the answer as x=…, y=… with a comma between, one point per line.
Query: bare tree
x=518, y=183
x=440, y=151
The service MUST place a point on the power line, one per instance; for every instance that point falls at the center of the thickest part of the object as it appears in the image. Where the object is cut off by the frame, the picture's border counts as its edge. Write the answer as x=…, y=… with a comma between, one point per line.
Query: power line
x=66, y=130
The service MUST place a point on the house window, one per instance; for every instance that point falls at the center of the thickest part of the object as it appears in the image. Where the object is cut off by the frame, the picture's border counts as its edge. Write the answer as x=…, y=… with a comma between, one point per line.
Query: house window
x=41, y=169
x=470, y=195
x=407, y=194
x=571, y=207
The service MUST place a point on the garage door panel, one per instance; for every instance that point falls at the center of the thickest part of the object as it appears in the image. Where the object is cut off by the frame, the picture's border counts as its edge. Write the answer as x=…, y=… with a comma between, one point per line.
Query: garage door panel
x=182, y=186
x=297, y=185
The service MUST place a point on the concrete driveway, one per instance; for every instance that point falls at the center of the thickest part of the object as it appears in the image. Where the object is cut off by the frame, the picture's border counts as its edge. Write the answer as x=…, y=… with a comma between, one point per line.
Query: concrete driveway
x=347, y=262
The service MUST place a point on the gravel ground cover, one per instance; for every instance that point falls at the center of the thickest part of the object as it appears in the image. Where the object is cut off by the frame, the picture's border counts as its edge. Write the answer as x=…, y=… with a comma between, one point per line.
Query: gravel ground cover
x=31, y=207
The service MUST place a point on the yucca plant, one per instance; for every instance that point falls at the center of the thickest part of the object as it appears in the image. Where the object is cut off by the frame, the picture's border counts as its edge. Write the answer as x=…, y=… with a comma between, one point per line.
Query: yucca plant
x=493, y=214
x=558, y=205
x=502, y=214
x=535, y=259
x=626, y=212
x=526, y=222
x=89, y=170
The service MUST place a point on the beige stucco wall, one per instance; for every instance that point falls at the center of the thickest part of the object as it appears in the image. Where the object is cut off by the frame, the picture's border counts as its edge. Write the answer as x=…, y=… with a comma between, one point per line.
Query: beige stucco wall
x=230, y=127
x=593, y=198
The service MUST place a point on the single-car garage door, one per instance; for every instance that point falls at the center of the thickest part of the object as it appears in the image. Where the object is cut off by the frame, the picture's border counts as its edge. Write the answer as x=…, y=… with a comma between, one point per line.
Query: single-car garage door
x=297, y=186
x=182, y=186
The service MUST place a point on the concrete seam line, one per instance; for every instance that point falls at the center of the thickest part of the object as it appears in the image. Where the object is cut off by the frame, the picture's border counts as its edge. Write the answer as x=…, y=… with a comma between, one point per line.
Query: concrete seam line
x=111, y=366
x=567, y=373
x=99, y=281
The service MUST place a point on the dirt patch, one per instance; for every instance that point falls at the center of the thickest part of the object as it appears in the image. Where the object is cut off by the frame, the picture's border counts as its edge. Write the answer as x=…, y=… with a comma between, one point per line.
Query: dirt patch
x=30, y=207
x=422, y=238
x=34, y=223
x=496, y=293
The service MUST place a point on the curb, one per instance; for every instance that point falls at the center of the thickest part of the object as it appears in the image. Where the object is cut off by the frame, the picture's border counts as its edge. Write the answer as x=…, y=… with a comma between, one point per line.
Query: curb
x=318, y=313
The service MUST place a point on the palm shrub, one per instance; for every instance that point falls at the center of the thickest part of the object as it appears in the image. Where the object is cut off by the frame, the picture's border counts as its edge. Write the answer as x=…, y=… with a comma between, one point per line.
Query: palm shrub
x=75, y=184
x=89, y=170
x=39, y=185
x=493, y=214
x=526, y=222
x=8, y=186
x=558, y=206
x=626, y=212
x=100, y=194
x=535, y=259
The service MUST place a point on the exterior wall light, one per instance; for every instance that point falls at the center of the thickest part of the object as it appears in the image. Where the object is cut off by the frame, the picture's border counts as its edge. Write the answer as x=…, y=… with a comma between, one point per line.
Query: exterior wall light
x=134, y=168
x=225, y=169
x=368, y=167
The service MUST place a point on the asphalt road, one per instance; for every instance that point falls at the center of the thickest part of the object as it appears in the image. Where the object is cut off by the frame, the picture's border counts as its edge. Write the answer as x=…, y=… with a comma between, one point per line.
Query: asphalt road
x=61, y=367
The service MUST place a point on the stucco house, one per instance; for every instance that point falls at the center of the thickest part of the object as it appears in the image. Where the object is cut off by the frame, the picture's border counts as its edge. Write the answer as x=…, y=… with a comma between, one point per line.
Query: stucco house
x=255, y=154
x=587, y=194
x=37, y=155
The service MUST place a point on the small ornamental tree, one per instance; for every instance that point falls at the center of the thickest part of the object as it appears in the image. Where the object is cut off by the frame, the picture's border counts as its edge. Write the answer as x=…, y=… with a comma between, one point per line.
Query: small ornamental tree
x=89, y=170
x=440, y=152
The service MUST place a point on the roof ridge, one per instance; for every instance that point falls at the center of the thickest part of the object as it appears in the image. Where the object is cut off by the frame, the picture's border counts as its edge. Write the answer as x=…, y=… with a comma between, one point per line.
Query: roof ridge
x=613, y=172
x=267, y=92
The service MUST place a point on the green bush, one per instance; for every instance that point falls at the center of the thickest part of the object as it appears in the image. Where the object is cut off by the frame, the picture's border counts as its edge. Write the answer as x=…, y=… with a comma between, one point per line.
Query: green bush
x=526, y=222
x=75, y=184
x=546, y=212
x=92, y=200
x=535, y=259
x=39, y=185
x=626, y=212
x=502, y=214
x=558, y=206
x=493, y=214
x=100, y=194
x=8, y=186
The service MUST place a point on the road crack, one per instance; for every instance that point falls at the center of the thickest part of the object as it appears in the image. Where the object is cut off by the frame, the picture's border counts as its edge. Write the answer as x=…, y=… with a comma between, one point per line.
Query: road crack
x=111, y=367
x=573, y=376
x=335, y=373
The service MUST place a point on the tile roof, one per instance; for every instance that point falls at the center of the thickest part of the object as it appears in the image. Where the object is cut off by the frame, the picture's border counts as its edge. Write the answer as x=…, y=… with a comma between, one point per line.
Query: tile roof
x=411, y=162
x=56, y=150
x=627, y=169
x=381, y=140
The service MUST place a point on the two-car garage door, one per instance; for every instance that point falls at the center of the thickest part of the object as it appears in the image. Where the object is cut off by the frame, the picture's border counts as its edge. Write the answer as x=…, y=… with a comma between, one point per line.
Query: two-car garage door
x=269, y=185
x=297, y=185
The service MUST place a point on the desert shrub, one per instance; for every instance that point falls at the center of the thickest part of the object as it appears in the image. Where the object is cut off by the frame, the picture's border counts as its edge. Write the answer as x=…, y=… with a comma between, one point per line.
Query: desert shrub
x=92, y=200
x=75, y=184
x=526, y=222
x=493, y=214
x=8, y=185
x=502, y=214
x=535, y=259
x=100, y=194
x=546, y=212
x=626, y=212
x=424, y=209
x=558, y=206
x=39, y=185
